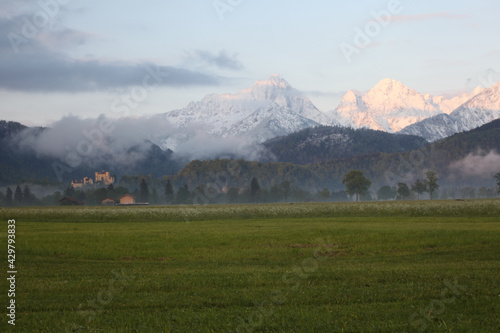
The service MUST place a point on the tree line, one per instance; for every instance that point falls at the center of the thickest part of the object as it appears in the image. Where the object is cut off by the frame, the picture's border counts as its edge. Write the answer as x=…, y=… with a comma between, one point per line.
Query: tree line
x=147, y=189
x=356, y=183
x=18, y=197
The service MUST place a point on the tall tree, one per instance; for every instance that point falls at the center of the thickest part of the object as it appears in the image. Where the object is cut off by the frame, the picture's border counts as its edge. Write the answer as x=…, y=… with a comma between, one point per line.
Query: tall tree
x=183, y=195
x=110, y=189
x=18, y=196
x=431, y=182
x=254, y=190
x=8, y=197
x=169, y=192
x=419, y=187
x=356, y=183
x=403, y=190
x=286, y=186
x=386, y=193
x=154, y=196
x=497, y=176
x=28, y=197
x=144, y=190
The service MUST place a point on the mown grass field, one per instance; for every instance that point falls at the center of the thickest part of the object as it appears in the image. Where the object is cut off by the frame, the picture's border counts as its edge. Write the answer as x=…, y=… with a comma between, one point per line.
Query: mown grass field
x=367, y=267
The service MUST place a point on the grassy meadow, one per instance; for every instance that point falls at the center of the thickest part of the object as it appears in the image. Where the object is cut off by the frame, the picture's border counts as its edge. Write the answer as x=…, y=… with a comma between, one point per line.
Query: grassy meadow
x=349, y=267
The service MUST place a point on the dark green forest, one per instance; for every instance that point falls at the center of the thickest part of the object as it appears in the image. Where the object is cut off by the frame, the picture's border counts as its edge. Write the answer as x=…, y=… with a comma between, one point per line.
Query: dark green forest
x=325, y=143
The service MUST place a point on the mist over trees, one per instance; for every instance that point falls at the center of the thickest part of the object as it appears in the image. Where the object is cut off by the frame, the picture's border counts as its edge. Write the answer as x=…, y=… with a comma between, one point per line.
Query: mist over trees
x=19, y=197
x=160, y=191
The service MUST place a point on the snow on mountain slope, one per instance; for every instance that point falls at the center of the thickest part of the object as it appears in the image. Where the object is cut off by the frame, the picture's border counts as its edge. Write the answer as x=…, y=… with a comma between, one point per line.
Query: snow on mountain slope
x=270, y=107
x=477, y=111
x=270, y=122
x=450, y=105
x=434, y=128
x=391, y=106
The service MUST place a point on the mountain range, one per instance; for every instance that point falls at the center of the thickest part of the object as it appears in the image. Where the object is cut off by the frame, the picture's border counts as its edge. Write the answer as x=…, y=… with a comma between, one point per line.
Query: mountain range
x=480, y=109
x=273, y=108
x=391, y=106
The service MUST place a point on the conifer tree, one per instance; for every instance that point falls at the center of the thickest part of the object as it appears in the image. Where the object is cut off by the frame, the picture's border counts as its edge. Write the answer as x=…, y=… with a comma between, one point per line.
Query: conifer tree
x=169, y=192
x=18, y=196
x=8, y=197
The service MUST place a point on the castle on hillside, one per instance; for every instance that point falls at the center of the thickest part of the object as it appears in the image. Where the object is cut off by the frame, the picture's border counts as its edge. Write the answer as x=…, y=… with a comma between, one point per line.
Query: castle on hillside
x=81, y=183
x=103, y=177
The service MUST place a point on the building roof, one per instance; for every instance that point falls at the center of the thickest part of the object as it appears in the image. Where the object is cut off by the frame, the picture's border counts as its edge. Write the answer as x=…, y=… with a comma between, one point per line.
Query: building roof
x=127, y=195
x=71, y=199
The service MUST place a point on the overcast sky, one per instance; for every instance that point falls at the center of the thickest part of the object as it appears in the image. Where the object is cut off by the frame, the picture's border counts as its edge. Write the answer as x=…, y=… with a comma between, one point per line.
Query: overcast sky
x=135, y=58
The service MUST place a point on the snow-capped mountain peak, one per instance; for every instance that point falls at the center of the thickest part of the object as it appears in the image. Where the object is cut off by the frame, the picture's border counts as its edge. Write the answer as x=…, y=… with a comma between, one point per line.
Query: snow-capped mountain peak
x=388, y=106
x=391, y=106
x=478, y=90
x=274, y=89
x=389, y=87
x=488, y=98
x=390, y=96
x=275, y=81
x=352, y=98
x=269, y=108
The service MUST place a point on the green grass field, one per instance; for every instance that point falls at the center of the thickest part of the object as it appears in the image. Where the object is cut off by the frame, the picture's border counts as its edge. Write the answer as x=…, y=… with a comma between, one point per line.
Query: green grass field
x=367, y=267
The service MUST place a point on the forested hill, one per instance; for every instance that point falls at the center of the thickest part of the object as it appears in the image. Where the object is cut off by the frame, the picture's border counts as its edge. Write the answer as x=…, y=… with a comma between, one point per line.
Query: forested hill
x=10, y=128
x=438, y=156
x=19, y=165
x=326, y=143
x=381, y=168
x=16, y=165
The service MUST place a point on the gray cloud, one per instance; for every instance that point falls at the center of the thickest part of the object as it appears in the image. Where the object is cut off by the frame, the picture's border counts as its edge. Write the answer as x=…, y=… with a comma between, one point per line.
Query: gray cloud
x=46, y=74
x=202, y=145
x=35, y=67
x=477, y=165
x=223, y=60
x=95, y=141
